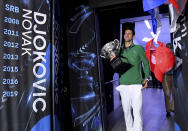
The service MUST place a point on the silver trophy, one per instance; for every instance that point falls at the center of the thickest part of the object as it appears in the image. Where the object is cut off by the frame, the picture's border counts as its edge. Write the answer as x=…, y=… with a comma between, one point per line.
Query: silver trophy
x=110, y=47
x=117, y=64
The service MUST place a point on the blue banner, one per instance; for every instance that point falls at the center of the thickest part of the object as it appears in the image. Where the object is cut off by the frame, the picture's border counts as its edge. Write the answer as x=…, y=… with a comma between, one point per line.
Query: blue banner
x=84, y=80
x=151, y=4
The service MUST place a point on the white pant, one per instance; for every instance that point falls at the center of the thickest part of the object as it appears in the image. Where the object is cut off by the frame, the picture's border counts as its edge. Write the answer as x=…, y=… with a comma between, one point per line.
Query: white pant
x=131, y=97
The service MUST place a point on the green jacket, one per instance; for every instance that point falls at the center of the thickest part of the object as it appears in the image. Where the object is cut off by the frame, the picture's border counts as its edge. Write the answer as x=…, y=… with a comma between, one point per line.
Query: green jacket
x=135, y=56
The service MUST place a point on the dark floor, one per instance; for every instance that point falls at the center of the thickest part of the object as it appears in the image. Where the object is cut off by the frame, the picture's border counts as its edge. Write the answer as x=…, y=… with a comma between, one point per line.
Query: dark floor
x=154, y=114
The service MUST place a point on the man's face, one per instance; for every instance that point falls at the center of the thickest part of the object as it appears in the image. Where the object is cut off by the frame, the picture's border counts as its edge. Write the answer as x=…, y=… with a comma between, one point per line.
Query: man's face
x=128, y=36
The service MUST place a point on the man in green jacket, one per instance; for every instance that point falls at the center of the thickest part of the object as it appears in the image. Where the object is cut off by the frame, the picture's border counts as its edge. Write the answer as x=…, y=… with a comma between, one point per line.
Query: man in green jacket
x=131, y=81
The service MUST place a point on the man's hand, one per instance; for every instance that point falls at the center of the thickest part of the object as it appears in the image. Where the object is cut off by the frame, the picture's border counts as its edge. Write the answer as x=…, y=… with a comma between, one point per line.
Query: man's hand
x=112, y=56
x=145, y=83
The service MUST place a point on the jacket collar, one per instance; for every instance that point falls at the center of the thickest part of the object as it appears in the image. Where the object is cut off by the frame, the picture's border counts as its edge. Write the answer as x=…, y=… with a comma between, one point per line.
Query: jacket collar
x=132, y=45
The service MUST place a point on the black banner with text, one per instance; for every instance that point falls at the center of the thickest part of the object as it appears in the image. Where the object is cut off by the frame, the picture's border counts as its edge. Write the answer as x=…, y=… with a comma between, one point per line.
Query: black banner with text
x=25, y=65
x=180, y=43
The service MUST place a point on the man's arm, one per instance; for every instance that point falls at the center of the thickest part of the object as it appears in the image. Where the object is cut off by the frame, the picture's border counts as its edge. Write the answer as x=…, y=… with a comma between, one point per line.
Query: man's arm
x=146, y=67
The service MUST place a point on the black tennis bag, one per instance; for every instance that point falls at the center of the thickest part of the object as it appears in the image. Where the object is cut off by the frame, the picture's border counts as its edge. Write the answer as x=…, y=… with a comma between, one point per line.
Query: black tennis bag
x=119, y=66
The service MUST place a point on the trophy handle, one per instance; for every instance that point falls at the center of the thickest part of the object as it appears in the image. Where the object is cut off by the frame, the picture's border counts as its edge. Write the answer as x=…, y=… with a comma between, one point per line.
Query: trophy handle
x=102, y=56
x=116, y=41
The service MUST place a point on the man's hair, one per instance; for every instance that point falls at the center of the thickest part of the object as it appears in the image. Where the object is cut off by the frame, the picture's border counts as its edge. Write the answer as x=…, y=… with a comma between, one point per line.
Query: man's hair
x=128, y=26
x=169, y=44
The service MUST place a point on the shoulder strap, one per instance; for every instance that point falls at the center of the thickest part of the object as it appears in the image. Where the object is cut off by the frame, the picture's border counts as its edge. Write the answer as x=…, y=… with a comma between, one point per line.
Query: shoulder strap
x=121, y=49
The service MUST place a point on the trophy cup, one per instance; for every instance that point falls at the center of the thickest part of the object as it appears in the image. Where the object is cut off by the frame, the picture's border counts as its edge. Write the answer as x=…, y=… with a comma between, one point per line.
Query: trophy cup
x=117, y=64
x=110, y=47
